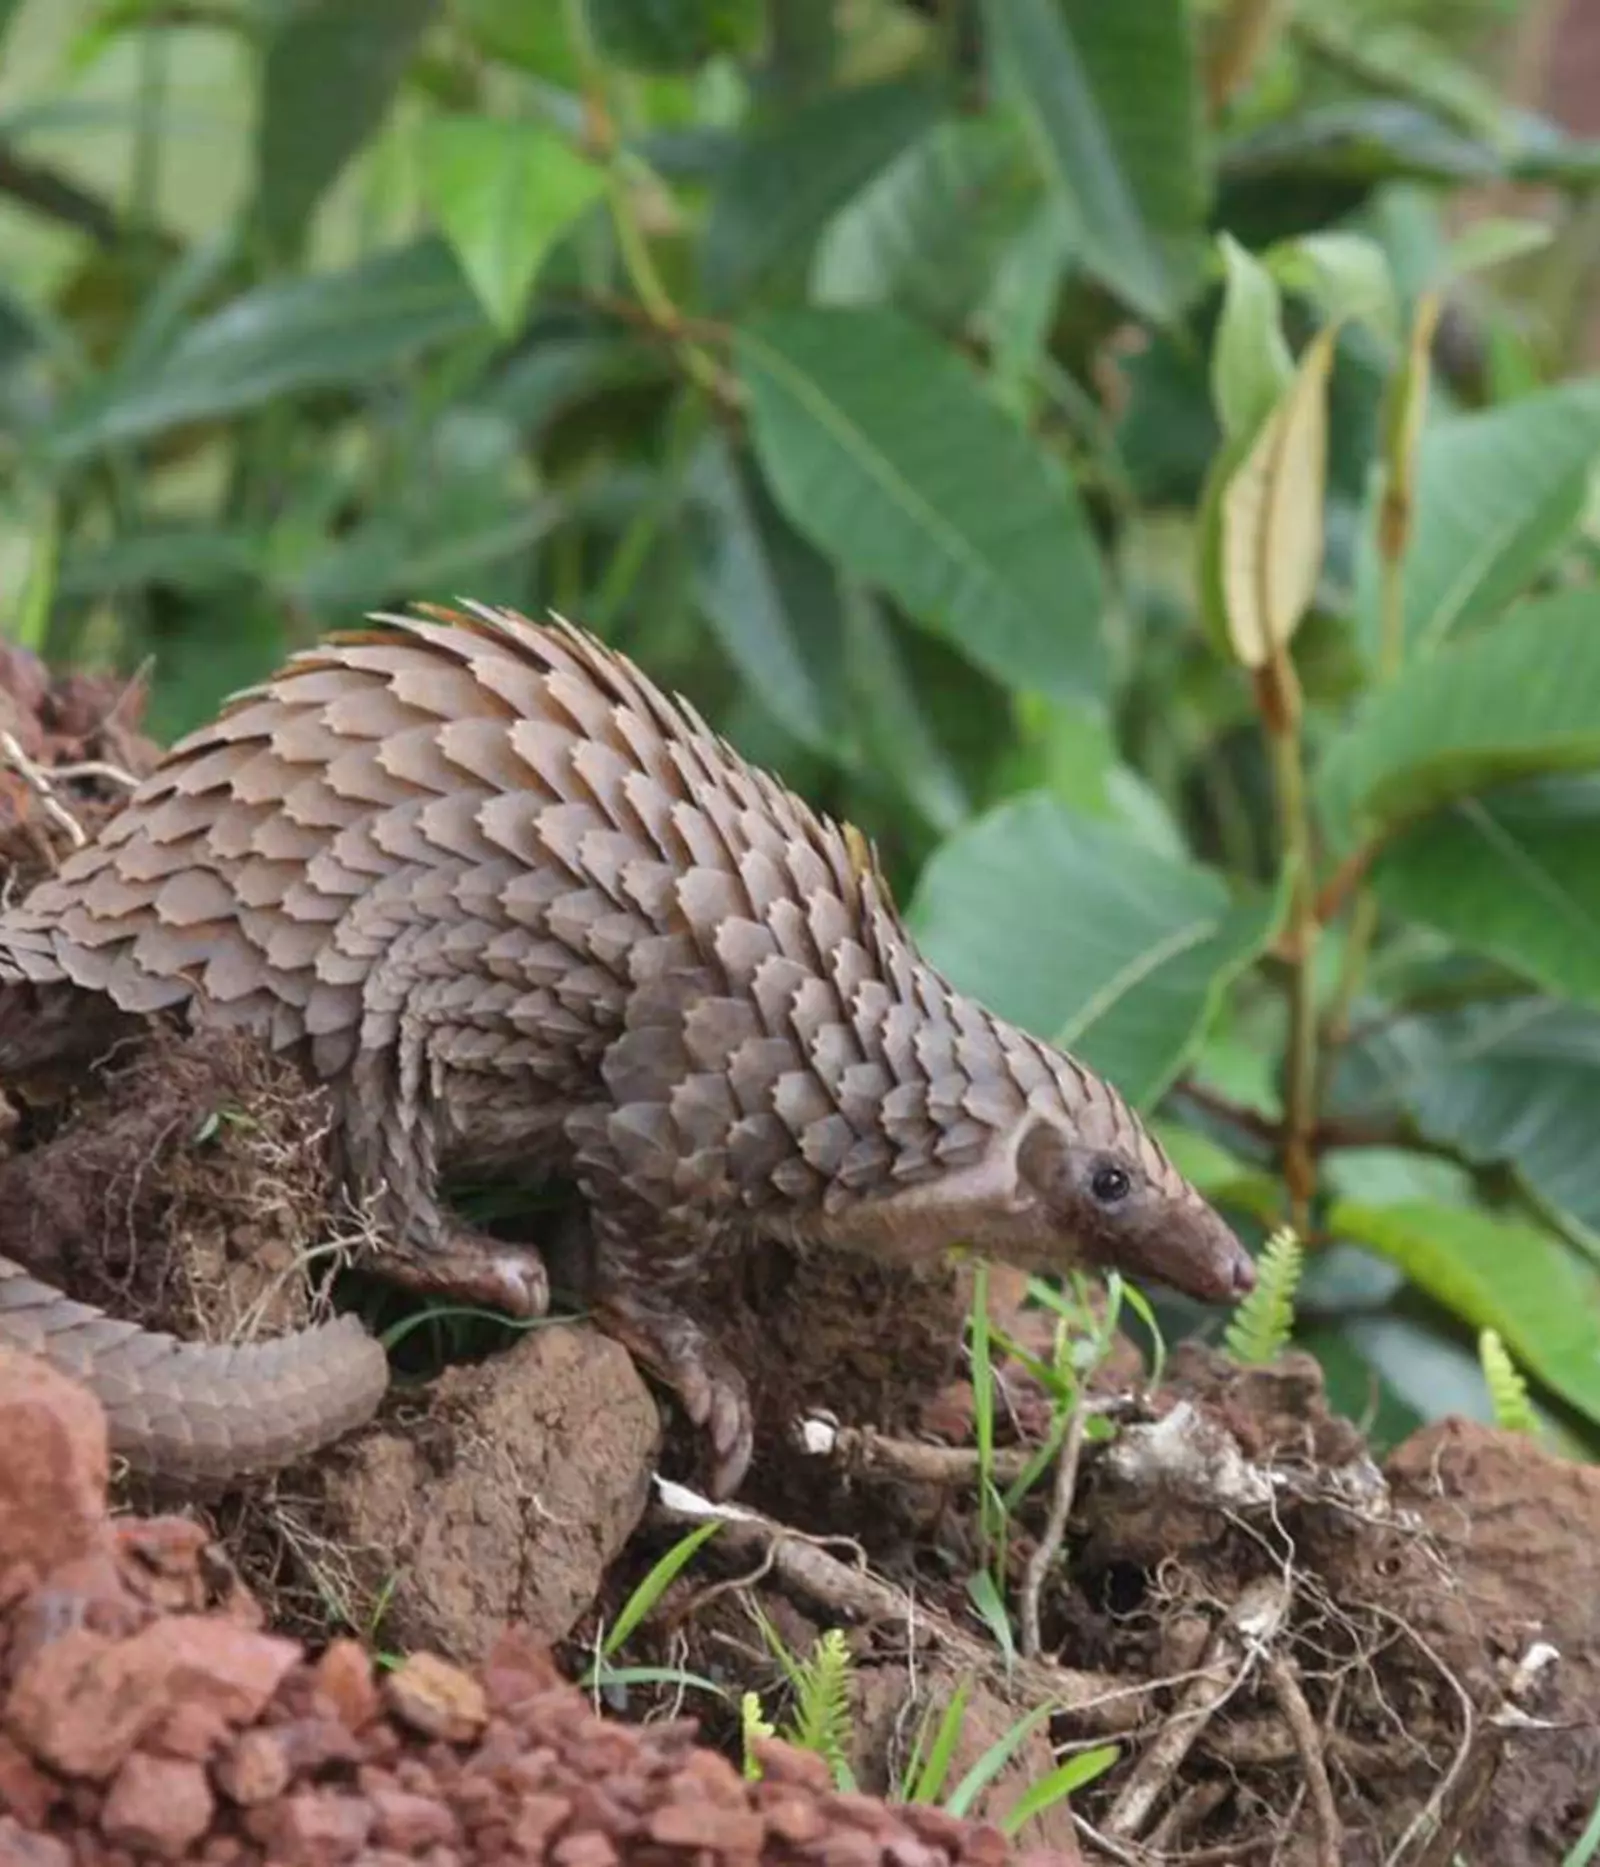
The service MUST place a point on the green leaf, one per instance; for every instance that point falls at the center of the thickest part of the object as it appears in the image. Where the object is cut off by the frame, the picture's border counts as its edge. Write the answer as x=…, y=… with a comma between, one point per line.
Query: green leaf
x=503, y=193
x=1520, y=700
x=1064, y=926
x=1112, y=100
x=1346, y=275
x=328, y=76
x=1494, y=1273
x=782, y=186
x=1512, y=876
x=336, y=329
x=1251, y=365
x=1498, y=493
x=667, y=36
x=883, y=449
x=1019, y=308
x=928, y=231
x=771, y=600
x=1491, y=242
x=1512, y=1083
x=1076, y=1772
x=896, y=737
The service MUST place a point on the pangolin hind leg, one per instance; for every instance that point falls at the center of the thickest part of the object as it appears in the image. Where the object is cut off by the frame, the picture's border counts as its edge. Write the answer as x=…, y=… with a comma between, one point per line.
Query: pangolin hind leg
x=640, y=1276
x=387, y=1146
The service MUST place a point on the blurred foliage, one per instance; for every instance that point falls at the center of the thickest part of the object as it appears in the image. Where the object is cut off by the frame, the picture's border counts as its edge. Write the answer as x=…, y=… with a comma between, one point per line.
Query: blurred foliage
x=1104, y=451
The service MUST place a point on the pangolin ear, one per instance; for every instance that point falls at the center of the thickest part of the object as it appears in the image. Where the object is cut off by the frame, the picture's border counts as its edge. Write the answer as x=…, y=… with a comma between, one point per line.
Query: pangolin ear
x=1042, y=1157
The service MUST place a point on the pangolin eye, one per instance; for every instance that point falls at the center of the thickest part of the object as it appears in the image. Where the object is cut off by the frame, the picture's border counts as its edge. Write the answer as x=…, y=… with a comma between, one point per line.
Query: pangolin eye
x=1110, y=1184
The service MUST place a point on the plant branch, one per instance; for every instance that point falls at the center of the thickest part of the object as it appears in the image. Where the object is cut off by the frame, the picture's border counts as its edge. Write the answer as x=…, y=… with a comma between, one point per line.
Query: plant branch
x=1278, y=696
x=57, y=197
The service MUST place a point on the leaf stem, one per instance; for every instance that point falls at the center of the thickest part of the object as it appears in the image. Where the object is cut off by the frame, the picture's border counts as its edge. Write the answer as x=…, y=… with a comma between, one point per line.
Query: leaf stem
x=1278, y=696
x=623, y=172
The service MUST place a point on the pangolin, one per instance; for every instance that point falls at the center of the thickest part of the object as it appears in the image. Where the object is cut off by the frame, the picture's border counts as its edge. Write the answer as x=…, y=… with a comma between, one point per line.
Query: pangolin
x=514, y=905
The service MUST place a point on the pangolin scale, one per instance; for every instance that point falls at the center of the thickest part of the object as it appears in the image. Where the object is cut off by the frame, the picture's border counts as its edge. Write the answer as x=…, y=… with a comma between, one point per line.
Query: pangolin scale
x=515, y=906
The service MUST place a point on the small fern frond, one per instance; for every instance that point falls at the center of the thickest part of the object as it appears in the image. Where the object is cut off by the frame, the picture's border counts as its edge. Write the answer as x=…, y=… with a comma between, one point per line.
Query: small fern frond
x=753, y=1727
x=822, y=1720
x=1508, y=1392
x=1264, y=1321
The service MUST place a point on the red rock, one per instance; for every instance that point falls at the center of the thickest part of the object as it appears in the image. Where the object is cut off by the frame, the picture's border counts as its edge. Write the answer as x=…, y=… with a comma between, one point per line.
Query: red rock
x=256, y=1770
x=83, y=1702
x=73, y=1707
x=409, y=1823
x=787, y=1763
x=234, y=1669
x=158, y=1805
x=437, y=1699
x=25, y=1790
x=54, y=1465
x=344, y=1678
x=707, y=1825
x=793, y=1818
x=846, y=1847
x=538, y=1819
x=519, y=1667
x=190, y=1730
x=18, y=1848
x=704, y=1773
x=985, y=1847
x=590, y=1850
x=313, y=1826
x=162, y=1560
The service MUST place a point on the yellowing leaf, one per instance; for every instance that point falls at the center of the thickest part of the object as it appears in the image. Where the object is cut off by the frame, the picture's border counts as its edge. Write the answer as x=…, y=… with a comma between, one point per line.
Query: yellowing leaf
x=1271, y=514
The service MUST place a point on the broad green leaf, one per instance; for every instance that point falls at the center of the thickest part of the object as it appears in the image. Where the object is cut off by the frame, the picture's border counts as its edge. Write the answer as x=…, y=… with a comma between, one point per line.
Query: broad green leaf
x=1511, y=1083
x=1402, y=58
x=1112, y=99
x=1346, y=275
x=1509, y=702
x=1516, y=701
x=190, y=558
x=328, y=76
x=1495, y=1273
x=771, y=600
x=1251, y=365
x=1019, y=307
x=883, y=449
x=927, y=232
x=1365, y=140
x=537, y=38
x=895, y=733
x=1491, y=242
x=1063, y=925
x=791, y=176
x=673, y=35
x=503, y=192
x=335, y=329
x=1498, y=492
x=1271, y=515
x=1512, y=876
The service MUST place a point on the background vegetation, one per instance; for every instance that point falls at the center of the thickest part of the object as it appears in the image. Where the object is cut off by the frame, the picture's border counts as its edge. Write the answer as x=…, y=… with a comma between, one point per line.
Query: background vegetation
x=1076, y=442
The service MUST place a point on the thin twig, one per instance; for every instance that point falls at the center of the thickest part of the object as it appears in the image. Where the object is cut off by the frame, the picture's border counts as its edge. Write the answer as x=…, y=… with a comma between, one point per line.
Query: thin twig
x=1241, y=1637
x=39, y=783
x=1284, y=1678
x=1044, y=1553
